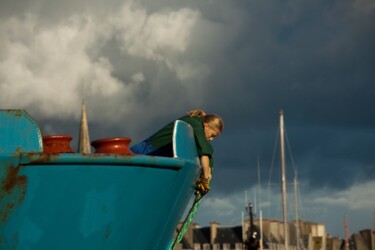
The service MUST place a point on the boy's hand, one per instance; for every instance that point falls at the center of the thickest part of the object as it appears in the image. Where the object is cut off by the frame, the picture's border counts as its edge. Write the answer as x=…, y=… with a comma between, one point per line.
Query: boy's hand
x=202, y=185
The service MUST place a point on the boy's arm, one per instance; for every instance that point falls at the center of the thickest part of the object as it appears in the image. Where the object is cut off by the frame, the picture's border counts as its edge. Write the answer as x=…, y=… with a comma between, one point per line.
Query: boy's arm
x=206, y=169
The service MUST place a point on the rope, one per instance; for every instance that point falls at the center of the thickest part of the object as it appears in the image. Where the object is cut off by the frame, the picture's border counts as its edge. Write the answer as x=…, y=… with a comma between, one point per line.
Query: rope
x=187, y=221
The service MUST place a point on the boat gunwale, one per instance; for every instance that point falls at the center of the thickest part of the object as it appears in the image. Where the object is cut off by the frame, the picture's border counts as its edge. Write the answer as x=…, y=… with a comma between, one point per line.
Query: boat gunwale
x=102, y=159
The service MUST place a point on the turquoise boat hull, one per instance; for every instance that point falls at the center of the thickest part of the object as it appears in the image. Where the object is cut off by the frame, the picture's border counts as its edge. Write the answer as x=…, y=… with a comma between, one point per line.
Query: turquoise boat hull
x=89, y=201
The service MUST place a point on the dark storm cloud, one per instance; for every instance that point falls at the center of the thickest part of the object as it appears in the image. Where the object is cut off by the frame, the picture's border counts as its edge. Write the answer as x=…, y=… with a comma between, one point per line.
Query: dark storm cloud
x=319, y=70
x=314, y=61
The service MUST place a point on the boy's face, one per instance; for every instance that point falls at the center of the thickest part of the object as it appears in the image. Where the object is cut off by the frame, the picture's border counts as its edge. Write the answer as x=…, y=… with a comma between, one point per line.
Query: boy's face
x=210, y=132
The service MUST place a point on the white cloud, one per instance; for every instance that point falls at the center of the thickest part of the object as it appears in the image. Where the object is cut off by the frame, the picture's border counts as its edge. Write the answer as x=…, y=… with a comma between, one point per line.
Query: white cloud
x=357, y=197
x=331, y=201
x=160, y=36
x=358, y=202
x=364, y=6
x=138, y=77
x=220, y=206
x=156, y=35
x=50, y=68
x=361, y=196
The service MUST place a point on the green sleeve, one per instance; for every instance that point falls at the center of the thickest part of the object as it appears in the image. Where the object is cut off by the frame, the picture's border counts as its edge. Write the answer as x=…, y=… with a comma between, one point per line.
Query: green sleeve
x=203, y=146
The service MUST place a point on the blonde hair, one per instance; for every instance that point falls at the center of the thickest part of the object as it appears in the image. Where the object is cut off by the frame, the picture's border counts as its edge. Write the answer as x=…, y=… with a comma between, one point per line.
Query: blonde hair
x=196, y=112
x=212, y=120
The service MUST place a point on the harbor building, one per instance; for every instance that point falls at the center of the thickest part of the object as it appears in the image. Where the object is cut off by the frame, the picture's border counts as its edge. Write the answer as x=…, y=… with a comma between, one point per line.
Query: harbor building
x=309, y=236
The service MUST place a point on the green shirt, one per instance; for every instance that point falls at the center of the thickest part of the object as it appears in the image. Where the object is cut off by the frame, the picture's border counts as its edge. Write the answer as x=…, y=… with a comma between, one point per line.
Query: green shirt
x=163, y=138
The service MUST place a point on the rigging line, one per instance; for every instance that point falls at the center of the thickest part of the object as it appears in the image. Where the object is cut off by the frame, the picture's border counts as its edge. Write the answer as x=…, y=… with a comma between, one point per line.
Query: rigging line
x=271, y=170
x=290, y=152
x=295, y=172
x=300, y=205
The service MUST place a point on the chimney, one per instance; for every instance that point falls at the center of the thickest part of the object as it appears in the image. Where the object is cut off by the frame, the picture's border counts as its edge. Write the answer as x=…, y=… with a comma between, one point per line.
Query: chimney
x=213, y=231
x=84, y=138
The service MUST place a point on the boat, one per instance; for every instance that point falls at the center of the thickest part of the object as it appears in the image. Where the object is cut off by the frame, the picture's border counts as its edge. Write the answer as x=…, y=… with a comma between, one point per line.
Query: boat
x=101, y=200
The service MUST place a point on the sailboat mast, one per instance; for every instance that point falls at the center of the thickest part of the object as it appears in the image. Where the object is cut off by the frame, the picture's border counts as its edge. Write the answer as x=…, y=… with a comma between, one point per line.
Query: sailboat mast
x=296, y=211
x=260, y=209
x=261, y=230
x=346, y=226
x=283, y=179
x=258, y=191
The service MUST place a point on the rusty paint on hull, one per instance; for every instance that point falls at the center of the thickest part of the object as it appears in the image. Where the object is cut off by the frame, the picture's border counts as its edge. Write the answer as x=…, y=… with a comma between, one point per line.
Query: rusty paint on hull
x=12, y=192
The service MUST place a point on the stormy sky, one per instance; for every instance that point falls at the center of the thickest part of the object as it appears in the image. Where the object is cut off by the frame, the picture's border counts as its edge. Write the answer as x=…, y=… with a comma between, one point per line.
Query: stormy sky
x=139, y=64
